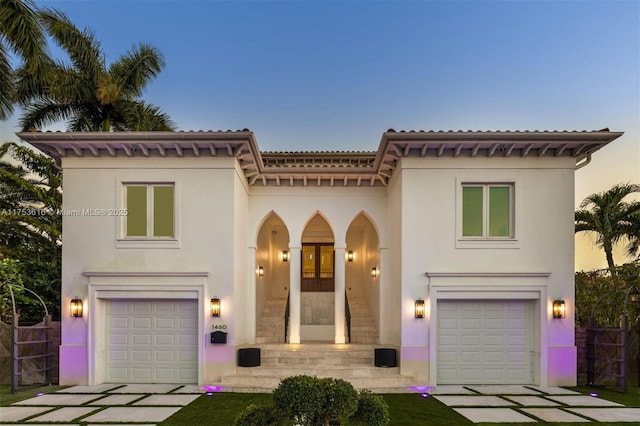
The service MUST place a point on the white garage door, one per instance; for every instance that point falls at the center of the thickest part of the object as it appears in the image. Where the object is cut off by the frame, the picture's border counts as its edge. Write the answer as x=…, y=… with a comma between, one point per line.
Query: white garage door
x=151, y=341
x=484, y=342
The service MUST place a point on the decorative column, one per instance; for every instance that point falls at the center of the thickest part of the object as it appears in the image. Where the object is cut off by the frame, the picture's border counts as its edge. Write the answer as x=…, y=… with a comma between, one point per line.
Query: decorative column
x=383, y=289
x=251, y=295
x=339, y=288
x=295, y=256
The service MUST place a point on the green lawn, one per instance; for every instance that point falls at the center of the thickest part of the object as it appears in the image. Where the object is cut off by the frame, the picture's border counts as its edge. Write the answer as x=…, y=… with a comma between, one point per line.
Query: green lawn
x=405, y=409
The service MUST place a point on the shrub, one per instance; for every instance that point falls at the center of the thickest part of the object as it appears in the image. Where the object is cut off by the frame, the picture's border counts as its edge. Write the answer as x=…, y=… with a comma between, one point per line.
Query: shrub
x=299, y=399
x=372, y=410
x=259, y=415
x=339, y=401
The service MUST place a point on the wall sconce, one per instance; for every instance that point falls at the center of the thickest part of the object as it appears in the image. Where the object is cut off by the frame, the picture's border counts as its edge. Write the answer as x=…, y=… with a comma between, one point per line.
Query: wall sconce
x=419, y=308
x=215, y=307
x=559, y=308
x=350, y=256
x=76, y=307
x=285, y=256
x=260, y=271
x=375, y=272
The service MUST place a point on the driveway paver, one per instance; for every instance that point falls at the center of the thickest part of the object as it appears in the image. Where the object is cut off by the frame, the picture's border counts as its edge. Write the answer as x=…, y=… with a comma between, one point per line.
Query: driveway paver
x=123, y=399
x=64, y=414
x=169, y=399
x=494, y=415
x=14, y=414
x=610, y=414
x=584, y=401
x=554, y=415
x=532, y=401
x=503, y=390
x=133, y=414
x=55, y=399
x=473, y=401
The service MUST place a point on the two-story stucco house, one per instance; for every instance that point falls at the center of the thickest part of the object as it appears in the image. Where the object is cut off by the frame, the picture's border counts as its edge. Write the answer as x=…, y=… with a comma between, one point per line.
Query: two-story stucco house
x=449, y=247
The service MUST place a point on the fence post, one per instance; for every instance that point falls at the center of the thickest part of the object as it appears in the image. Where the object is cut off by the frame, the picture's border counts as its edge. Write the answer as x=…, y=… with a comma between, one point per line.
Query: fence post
x=623, y=354
x=591, y=351
x=15, y=320
x=48, y=335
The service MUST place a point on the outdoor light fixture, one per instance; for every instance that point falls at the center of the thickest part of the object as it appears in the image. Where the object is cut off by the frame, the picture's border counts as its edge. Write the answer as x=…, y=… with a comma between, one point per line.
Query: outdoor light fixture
x=76, y=307
x=375, y=272
x=634, y=297
x=285, y=256
x=260, y=271
x=419, y=308
x=215, y=307
x=350, y=256
x=559, y=308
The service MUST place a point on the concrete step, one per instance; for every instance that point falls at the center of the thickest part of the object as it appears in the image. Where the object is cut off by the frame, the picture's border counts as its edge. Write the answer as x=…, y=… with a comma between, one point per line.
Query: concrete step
x=266, y=383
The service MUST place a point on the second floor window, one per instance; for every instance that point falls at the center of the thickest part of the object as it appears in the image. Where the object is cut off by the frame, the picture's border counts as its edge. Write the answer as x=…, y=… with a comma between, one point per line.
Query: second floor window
x=150, y=211
x=487, y=211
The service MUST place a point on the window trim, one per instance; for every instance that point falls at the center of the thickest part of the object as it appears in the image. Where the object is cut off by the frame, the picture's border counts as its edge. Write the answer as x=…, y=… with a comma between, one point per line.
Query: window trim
x=486, y=241
x=149, y=241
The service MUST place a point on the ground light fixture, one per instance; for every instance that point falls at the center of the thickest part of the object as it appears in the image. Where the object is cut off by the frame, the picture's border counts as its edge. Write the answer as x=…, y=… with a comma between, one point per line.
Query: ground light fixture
x=419, y=308
x=559, y=308
x=215, y=307
x=76, y=307
x=285, y=256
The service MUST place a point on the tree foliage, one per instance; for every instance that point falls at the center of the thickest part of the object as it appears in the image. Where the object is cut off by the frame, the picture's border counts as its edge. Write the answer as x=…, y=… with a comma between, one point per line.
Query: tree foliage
x=602, y=294
x=30, y=226
x=22, y=35
x=87, y=93
x=610, y=217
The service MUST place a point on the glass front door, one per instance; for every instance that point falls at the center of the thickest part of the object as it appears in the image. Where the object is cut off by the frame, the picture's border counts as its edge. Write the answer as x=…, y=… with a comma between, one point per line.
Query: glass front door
x=317, y=267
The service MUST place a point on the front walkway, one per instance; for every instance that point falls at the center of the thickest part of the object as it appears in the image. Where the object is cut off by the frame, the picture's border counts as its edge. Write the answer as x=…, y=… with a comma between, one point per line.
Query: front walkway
x=147, y=405
x=525, y=404
x=142, y=405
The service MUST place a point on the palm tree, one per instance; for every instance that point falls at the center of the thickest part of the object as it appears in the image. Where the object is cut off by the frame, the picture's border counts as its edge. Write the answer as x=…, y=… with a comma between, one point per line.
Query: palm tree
x=609, y=216
x=20, y=34
x=633, y=234
x=87, y=94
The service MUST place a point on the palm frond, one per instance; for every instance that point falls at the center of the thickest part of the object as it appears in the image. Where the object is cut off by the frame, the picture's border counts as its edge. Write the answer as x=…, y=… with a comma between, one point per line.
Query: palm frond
x=19, y=28
x=139, y=116
x=6, y=85
x=81, y=46
x=136, y=68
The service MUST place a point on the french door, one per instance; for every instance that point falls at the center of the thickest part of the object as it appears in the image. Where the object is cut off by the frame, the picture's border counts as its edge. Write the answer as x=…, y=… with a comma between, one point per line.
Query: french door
x=317, y=267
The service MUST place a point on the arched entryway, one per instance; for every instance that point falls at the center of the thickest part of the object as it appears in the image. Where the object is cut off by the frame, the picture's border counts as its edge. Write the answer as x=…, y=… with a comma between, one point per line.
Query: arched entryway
x=362, y=284
x=317, y=282
x=272, y=280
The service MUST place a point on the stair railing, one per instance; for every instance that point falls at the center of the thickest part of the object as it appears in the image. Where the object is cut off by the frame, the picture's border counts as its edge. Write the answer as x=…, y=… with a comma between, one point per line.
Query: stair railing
x=286, y=318
x=347, y=316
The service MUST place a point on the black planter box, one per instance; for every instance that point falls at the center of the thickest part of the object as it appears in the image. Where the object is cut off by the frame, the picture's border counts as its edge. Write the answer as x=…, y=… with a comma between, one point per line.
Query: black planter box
x=249, y=357
x=385, y=357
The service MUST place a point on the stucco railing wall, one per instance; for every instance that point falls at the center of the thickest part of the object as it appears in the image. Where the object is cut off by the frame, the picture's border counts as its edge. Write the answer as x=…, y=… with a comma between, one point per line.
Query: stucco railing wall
x=26, y=335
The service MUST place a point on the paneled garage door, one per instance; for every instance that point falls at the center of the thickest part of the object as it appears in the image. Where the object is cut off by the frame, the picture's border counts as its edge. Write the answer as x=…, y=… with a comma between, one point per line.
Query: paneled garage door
x=151, y=341
x=484, y=342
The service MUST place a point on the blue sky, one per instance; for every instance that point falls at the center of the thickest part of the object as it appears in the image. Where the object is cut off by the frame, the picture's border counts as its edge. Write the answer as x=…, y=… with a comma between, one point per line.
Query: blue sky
x=332, y=75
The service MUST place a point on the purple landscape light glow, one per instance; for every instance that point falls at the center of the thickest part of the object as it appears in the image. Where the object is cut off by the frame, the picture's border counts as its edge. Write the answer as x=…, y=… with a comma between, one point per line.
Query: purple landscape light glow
x=212, y=389
x=593, y=394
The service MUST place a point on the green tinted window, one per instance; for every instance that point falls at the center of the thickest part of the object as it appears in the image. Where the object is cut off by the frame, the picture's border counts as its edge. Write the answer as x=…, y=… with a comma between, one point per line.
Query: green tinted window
x=499, y=211
x=136, y=211
x=163, y=211
x=472, y=211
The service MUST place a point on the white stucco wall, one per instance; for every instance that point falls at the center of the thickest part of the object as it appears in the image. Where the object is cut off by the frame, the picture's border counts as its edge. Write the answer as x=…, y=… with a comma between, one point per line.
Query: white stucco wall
x=206, y=212
x=543, y=230
x=222, y=237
